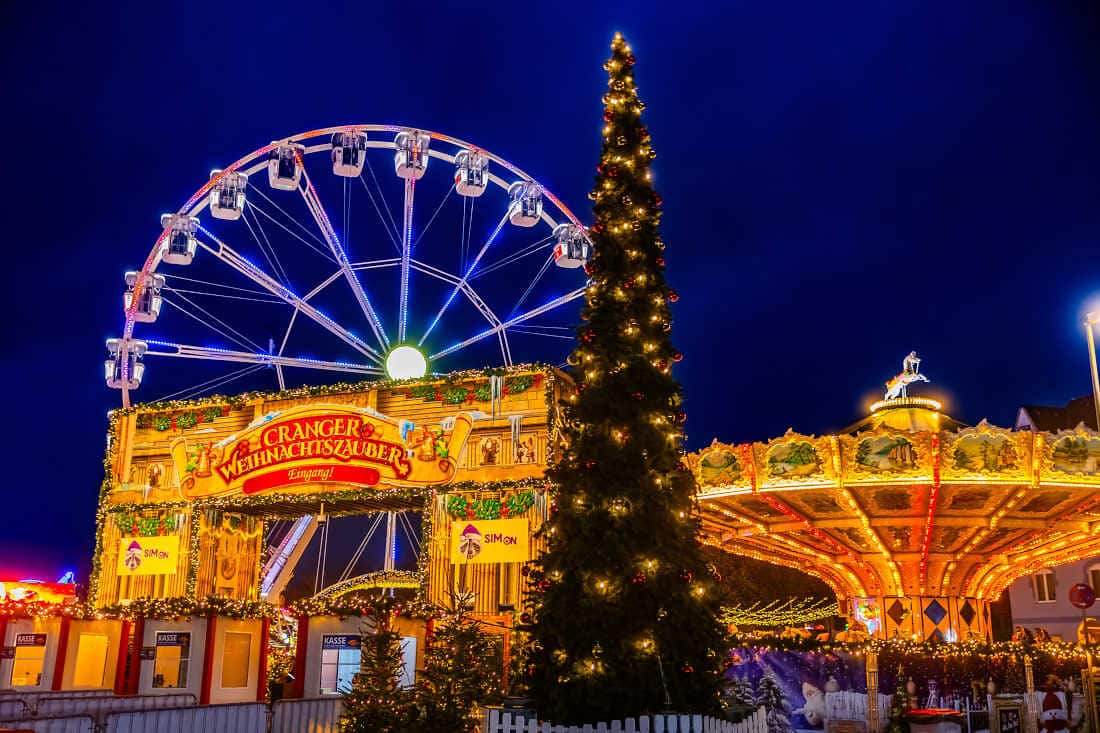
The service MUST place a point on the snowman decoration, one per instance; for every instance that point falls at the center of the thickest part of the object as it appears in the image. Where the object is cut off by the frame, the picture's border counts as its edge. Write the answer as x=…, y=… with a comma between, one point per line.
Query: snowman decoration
x=1053, y=711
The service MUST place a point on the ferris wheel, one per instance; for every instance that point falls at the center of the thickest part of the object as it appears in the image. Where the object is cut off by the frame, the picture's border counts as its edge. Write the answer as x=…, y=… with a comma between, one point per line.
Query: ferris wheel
x=356, y=257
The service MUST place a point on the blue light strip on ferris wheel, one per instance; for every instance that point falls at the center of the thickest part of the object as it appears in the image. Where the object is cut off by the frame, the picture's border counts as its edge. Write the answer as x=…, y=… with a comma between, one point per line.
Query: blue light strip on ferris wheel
x=462, y=282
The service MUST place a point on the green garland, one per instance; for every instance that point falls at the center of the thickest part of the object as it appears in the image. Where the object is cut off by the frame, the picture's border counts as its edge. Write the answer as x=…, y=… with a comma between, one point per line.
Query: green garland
x=322, y=390
x=144, y=526
x=451, y=394
x=1060, y=649
x=183, y=420
x=459, y=507
x=364, y=605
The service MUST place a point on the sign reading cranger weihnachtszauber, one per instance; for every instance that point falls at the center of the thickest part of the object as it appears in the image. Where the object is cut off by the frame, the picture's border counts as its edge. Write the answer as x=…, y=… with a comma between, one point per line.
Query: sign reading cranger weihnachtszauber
x=319, y=444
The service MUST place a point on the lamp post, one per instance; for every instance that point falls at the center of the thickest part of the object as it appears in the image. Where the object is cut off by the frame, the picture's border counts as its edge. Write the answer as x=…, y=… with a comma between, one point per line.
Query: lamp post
x=1091, y=318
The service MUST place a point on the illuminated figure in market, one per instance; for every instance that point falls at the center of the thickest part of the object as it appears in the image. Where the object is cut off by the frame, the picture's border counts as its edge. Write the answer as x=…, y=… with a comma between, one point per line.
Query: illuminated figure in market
x=910, y=373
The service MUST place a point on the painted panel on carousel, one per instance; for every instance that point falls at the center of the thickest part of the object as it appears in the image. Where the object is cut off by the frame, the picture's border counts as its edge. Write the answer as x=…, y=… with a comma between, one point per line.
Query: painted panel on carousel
x=984, y=450
x=793, y=458
x=888, y=453
x=1074, y=452
x=718, y=465
x=318, y=444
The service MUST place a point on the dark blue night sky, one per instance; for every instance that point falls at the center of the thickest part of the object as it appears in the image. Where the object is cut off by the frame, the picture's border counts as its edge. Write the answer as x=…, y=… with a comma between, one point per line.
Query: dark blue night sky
x=842, y=183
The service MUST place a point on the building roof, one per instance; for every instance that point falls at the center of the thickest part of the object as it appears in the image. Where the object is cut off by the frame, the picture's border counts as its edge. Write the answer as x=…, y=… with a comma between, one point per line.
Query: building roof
x=1051, y=419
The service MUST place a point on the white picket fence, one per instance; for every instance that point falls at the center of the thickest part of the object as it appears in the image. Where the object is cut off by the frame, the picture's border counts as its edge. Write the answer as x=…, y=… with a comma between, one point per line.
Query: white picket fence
x=72, y=724
x=310, y=715
x=100, y=707
x=249, y=717
x=499, y=721
x=848, y=705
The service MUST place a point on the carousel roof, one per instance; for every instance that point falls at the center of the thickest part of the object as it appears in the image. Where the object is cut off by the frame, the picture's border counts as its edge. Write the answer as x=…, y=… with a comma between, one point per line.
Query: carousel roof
x=907, y=502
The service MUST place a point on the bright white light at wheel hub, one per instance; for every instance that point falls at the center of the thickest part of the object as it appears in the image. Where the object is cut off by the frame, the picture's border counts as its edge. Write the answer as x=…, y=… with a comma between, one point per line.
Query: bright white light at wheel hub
x=405, y=362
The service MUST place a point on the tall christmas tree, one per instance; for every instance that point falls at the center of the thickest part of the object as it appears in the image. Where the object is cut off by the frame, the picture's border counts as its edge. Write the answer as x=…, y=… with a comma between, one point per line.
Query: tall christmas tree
x=622, y=610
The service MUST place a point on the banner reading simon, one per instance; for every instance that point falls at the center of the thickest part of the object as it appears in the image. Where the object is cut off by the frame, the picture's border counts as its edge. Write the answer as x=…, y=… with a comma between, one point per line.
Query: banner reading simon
x=490, y=541
x=318, y=444
x=148, y=555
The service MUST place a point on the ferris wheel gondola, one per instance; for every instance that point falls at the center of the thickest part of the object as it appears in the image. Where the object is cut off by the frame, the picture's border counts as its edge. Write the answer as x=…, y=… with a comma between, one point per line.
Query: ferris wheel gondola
x=286, y=245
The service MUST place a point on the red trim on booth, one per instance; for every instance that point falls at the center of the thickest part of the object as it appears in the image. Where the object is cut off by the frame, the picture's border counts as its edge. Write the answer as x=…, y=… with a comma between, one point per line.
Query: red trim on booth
x=121, y=679
x=208, y=660
x=261, y=683
x=3, y=629
x=299, y=686
x=133, y=681
x=62, y=651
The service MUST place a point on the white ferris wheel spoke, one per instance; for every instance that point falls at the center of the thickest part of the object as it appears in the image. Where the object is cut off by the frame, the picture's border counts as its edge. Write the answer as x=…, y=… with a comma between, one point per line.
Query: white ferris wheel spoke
x=381, y=218
x=465, y=278
x=406, y=247
x=305, y=230
x=382, y=202
x=530, y=332
x=527, y=251
x=188, y=392
x=292, y=233
x=230, y=257
x=531, y=285
x=268, y=250
x=313, y=203
x=233, y=335
x=186, y=351
x=556, y=302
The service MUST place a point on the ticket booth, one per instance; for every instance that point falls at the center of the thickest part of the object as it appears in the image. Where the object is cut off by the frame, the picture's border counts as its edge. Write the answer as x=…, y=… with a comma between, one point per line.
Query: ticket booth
x=333, y=652
x=29, y=653
x=91, y=654
x=172, y=656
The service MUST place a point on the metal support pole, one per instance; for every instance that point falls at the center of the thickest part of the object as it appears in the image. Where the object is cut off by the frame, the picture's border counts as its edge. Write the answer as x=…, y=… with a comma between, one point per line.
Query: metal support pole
x=872, y=691
x=1090, y=319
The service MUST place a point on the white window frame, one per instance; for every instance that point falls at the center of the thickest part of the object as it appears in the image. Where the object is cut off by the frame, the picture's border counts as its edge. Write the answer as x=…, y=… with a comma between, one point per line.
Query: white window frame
x=341, y=662
x=1039, y=580
x=1094, y=568
x=183, y=663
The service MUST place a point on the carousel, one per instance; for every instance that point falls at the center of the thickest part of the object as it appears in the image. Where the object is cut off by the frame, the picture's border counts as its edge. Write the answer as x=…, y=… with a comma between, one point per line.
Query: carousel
x=915, y=520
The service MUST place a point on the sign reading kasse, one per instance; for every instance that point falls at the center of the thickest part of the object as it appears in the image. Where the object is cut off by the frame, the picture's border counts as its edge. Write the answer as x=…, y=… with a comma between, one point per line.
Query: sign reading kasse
x=320, y=444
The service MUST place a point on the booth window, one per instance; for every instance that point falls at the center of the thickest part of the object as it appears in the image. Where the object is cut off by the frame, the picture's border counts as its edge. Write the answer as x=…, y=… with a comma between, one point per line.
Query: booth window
x=30, y=658
x=339, y=664
x=172, y=660
x=1043, y=582
x=238, y=645
x=91, y=660
x=1094, y=578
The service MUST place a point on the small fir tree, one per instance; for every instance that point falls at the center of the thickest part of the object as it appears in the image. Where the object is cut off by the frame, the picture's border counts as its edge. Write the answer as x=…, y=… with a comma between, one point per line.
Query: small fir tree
x=770, y=694
x=376, y=702
x=738, y=699
x=899, y=704
x=461, y=672
x=623, y=611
